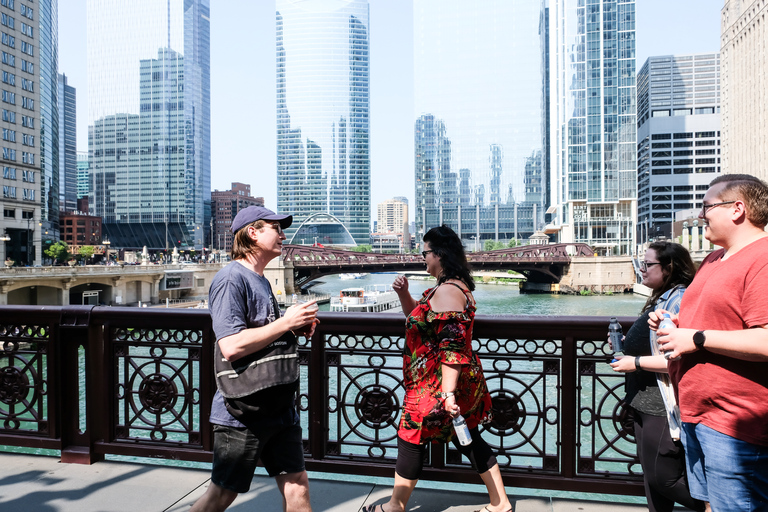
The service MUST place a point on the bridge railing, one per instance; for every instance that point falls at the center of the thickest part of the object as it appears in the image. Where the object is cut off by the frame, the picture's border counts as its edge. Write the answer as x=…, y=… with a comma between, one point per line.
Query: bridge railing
x=93, y=382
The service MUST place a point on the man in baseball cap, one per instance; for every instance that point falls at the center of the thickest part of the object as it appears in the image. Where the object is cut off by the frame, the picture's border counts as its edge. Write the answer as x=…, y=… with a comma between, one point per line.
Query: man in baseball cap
x=257, y=371
x=254, y=213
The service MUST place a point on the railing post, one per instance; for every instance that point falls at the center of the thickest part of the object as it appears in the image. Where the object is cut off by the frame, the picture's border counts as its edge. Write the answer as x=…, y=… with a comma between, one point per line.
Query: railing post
x=570, y=417
x=318, y=396
x=75, y=330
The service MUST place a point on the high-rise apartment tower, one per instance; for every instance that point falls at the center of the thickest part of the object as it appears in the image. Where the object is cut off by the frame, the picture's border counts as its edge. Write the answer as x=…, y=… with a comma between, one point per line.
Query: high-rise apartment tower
x=323, y=163
x=29, y=145
x=593, y=132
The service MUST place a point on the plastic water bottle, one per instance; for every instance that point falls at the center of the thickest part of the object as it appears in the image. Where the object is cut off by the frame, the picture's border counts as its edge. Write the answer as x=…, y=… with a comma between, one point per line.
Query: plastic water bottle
x=667, y=324
x=615, y=332
x=462, y=430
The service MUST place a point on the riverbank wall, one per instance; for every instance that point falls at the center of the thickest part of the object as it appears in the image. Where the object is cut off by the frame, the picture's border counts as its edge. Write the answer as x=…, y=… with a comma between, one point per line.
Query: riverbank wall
x=590, y=275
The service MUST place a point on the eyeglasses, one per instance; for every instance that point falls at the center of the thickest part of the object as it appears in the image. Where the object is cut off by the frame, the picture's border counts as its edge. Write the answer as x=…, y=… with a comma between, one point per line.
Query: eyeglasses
x=424, y=253
x=645, y=264
x=706, y=207
x=277, y=227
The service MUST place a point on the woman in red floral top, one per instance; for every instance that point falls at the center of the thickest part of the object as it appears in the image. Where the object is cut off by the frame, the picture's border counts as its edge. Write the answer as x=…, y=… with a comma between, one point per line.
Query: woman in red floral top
x=442, y=377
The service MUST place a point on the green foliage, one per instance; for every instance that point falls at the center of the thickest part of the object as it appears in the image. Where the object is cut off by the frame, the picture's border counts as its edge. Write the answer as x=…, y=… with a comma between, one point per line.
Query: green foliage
x=491, y=245
x=363, y=248
x=85, y=252
x=59, y=252
x=585, y=291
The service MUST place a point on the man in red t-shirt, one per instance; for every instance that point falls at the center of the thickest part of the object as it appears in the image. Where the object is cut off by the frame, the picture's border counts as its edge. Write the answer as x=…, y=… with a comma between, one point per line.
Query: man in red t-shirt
x=719, y=352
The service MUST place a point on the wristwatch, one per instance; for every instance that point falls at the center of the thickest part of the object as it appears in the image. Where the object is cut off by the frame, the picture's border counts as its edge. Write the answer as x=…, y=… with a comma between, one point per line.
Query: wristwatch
x=446, y=394
x=699, y=339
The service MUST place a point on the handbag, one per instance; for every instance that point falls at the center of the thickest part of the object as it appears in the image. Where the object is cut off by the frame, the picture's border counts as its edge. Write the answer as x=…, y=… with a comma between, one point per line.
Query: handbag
x=275, y=365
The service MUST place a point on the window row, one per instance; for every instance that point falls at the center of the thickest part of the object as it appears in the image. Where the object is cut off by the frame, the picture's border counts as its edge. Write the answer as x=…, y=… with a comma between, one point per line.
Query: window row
x=27, y=194
x=7, y=21
x=9, y=173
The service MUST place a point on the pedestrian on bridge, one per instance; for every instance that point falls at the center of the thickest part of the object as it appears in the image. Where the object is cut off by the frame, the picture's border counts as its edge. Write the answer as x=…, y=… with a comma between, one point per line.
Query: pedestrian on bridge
x=667, y=270
x=257, y=371
x=442, y=377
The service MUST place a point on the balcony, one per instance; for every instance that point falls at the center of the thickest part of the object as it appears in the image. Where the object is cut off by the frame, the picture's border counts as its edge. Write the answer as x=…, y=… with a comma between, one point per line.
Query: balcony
x=97, y=381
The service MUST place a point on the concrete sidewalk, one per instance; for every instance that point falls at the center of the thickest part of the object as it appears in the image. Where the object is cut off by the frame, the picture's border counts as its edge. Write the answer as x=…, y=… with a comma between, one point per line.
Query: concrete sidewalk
x=31, y=483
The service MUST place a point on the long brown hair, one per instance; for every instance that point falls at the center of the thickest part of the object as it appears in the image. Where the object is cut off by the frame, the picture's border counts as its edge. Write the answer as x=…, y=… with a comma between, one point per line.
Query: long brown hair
x=243, y=244
x=677, y=265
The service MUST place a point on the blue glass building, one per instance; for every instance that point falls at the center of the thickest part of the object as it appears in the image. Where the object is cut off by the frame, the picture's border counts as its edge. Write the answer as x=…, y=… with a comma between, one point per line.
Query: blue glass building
x=67, y=145
x=149, y=121
x=480, y=119
x=323, y=163
x=47, y=10
x=593, y=116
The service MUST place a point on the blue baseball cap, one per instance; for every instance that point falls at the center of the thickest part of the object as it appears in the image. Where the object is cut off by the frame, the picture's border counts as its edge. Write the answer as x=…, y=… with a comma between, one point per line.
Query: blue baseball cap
x=253, y=213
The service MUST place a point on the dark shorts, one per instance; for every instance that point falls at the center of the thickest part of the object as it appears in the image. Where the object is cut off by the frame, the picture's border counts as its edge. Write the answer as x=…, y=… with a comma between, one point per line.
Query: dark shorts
x=236, y=451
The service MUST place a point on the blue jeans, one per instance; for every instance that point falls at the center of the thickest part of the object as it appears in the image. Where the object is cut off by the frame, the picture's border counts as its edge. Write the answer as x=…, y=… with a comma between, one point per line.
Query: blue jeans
x=728, y=473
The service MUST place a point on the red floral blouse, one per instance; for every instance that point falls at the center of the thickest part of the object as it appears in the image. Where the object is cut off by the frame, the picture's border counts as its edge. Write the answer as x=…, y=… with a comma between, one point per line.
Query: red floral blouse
x=432, y=339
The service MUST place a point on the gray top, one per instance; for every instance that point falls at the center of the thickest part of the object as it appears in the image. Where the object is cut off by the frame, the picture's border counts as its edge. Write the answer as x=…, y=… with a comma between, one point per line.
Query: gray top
x=239, y=299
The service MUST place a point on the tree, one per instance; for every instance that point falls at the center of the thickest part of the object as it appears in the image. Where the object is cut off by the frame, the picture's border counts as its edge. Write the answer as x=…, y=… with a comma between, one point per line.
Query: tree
x=85, y=252
x=58, y=252
x=363, y=248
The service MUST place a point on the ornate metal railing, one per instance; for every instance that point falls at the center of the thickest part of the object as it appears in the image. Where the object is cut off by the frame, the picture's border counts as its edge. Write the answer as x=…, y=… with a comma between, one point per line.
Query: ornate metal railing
x=97, y=381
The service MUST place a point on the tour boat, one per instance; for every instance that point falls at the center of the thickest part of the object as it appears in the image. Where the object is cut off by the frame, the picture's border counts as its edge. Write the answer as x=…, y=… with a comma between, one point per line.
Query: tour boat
x=358, y=275
x=373, y=298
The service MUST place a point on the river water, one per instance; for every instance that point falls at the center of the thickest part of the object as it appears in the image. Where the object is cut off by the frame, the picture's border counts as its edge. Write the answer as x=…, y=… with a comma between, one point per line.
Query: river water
x=504, y=299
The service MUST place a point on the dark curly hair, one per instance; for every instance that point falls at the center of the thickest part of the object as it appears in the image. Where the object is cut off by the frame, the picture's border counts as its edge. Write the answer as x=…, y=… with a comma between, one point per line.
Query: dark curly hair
x=447, y=246
x=678, y=265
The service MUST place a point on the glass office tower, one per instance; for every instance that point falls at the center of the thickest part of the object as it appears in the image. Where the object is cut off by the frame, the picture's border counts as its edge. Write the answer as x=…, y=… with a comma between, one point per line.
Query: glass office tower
x=593, y=115
x=323, y=163
x=49, y=119
x=149, y=121
x=479, y=131
x=67, y=146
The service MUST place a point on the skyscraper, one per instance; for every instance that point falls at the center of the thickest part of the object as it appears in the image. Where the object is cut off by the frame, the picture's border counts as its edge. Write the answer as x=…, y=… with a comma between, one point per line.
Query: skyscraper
x=678, y=138
x=592, y=101
x=48, y=21
x=745, y=87
x=479, y=120
x=67, y=146
x=149, y=121
x=83, y=175
x=29, y=122
x=323, y=164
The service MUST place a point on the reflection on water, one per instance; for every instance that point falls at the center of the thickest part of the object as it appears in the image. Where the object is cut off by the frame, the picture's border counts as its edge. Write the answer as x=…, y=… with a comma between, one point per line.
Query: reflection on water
x=506, y=299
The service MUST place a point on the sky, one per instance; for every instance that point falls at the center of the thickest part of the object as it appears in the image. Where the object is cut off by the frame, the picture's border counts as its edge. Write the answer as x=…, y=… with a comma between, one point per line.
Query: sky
x=243, y=119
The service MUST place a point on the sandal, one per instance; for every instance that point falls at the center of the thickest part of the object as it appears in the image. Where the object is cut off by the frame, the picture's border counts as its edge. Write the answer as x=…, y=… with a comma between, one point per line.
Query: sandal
x=372, y=508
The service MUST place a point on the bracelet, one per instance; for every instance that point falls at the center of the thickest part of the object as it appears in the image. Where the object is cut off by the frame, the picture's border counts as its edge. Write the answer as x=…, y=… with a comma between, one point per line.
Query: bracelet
x=637, y=363
x=446, y=394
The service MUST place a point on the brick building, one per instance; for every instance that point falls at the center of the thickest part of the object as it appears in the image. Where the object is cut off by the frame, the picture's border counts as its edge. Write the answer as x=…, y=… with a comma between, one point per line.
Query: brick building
x=224, y=206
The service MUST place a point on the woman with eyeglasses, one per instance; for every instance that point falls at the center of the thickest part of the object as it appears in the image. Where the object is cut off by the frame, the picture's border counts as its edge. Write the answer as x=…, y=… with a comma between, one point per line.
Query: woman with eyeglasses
x=667, y=270
x=442, y=377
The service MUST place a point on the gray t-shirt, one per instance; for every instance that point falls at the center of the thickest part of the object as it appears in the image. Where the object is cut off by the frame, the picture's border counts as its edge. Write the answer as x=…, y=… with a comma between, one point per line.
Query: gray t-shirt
x=239, y=299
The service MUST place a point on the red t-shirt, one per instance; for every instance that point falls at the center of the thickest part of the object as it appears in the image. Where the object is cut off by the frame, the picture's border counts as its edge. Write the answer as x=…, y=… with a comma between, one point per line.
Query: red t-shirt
x=726, y=394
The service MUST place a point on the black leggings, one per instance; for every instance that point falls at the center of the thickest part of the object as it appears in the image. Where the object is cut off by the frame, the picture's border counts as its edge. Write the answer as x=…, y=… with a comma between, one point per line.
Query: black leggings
x=663, y=463
x=410, y=457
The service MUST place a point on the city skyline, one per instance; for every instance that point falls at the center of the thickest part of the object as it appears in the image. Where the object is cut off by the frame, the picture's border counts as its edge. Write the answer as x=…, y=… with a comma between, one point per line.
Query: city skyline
x=149, y=121
x=243, y=147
